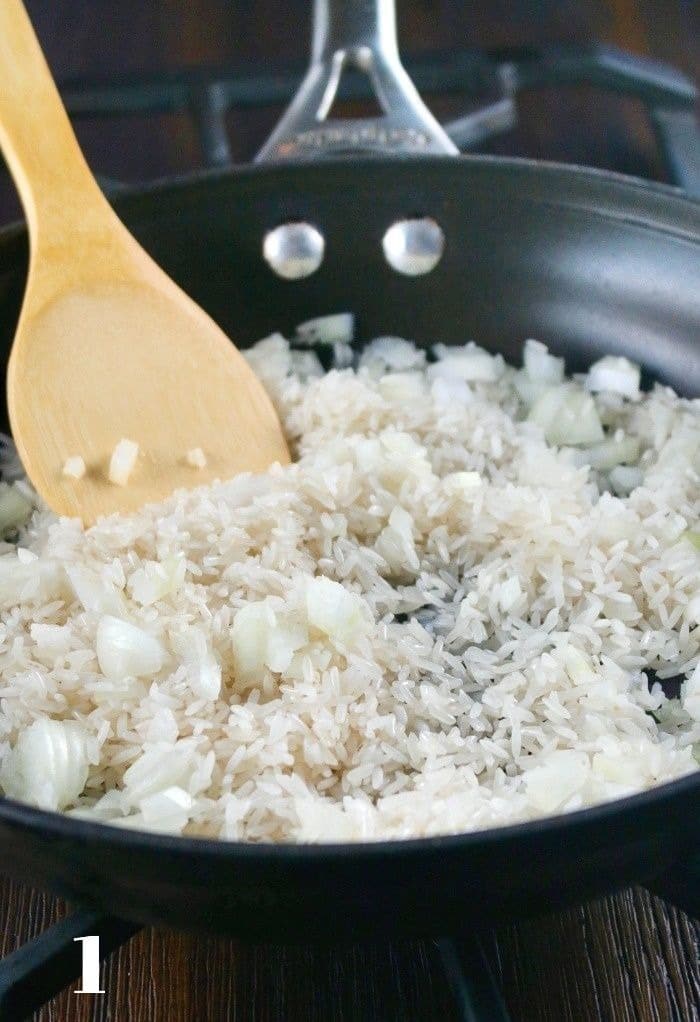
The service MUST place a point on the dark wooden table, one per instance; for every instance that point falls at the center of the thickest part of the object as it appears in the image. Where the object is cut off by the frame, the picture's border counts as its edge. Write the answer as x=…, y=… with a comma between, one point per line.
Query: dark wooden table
x=629, y=958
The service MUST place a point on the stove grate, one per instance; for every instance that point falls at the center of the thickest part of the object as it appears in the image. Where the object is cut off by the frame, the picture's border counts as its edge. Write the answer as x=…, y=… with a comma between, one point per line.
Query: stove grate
x=40, y=969
x=669, y=97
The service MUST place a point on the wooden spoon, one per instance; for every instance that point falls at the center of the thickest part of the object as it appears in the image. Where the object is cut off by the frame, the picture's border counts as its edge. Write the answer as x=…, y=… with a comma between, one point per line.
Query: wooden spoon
x=107, y=346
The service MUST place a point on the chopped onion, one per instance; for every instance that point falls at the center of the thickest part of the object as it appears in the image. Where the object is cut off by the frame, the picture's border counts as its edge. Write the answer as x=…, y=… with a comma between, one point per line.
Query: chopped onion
x=461, y=482
x=196, y=458
x=408, y=386
x=122, y=462
x=23, y=582
x=625, y=478
x=448, y=391
x=334, y=329
x=339, y=614
x=167, y=811
x=343, y=355
x=577, y=666
x=157, y=769
x=251, y=628
x=690, y=694
x=15, y=508
x=617, y=769
x=53, y=640
x=203, y=669
x=48, y=767
x=541, y=367
x=471, y=364
x=155, y=580
x=74, y=467
x=568, y=416
x=528, y=390
x=611, y=453
x=306, y=365
x=260, y=640
x=283, y=643
x=615, y=376
x=395, y=542
x=123, y=650
x=551, y=785
x=694, y=538
x=97, y=594
x=509, y=594
x=392, y=353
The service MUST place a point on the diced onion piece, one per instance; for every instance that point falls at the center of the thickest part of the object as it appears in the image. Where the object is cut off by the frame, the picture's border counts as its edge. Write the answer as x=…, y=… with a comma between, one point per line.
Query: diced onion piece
x=461, y=482
x=343, y=356
x=690, y=694
x=392, y=353
x=407, y=387
x=156, y=770
x=617, y=769
x=528, y=390
x=23, y=582
x=395, y=542
x=693, y=537
x=577, y=666
x=123, y=650
x=541, y=367
x=563, y=775
x=15, y=508
x=48, y=766
x=471, y=364
x=162, y=727
x=97, y=594
x=167, y=811
x=203, y=669
x=450, y=391
x=283, y=642
x=196, y=458
x=611, y=453
x=568, y=416
x=306, y=365
x=615, y=375
x=259, y=639
x=122, y=462
x=625, y=478
x=692, y=609
x=339, y=614
x=155, y=580
x=334, y=329
x=509, y=593
x=74, y=467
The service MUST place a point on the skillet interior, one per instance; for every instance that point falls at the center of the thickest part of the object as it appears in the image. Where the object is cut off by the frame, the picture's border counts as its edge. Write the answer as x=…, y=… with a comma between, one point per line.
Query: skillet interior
x=585, y=261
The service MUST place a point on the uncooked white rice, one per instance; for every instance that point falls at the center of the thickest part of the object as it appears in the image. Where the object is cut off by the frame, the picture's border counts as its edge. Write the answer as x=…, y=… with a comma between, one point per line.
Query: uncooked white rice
x=434, y=621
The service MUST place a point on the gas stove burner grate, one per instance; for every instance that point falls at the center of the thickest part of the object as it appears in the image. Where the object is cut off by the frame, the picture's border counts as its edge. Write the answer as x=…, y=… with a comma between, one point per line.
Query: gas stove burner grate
x=40, y=969
x=669, y=96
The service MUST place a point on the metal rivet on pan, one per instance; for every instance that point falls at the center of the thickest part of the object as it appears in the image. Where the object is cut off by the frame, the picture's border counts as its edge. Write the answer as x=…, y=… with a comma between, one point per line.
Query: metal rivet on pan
x=294, y=250
x=414, y=247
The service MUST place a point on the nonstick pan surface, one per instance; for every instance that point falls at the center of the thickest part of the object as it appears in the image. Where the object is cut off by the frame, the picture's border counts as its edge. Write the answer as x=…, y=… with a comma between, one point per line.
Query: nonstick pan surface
x=587, y=262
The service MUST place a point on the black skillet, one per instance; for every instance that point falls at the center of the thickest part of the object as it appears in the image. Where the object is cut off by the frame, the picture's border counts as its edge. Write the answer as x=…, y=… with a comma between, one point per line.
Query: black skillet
x=586, y=261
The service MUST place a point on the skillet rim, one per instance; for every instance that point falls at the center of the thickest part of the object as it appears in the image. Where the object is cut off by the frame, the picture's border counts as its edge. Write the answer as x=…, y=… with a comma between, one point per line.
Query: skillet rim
x=59, y=825
x=666, y=217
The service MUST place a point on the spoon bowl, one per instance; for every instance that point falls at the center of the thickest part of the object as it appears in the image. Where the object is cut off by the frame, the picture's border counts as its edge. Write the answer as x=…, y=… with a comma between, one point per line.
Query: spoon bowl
x=107, y=346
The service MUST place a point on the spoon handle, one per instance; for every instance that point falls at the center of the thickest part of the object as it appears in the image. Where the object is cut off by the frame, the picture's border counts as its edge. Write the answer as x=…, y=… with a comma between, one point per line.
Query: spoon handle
x=36, y=136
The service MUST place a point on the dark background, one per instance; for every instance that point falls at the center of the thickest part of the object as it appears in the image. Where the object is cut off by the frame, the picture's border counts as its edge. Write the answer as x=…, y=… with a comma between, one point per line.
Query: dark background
x=102, y=39
x=624, y=959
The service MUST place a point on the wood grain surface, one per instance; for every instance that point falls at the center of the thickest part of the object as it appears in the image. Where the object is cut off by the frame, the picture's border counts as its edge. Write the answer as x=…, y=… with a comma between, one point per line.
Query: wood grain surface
x=625, y=959
x=628, y=958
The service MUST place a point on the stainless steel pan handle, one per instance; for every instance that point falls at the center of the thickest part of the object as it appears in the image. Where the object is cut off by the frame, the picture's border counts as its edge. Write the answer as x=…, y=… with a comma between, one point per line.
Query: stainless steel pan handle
x=359, y=34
